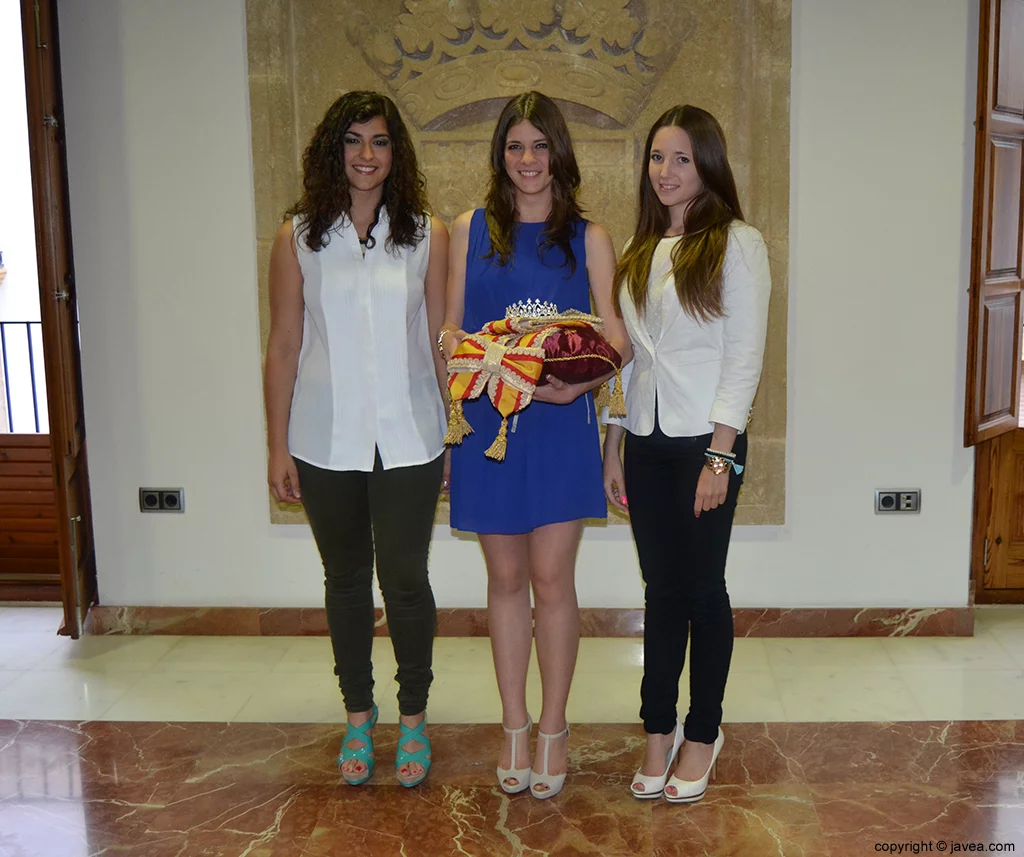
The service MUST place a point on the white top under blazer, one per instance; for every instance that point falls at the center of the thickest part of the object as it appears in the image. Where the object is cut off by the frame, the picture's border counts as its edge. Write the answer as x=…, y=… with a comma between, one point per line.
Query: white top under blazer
x=702, y=373
x=366, y=371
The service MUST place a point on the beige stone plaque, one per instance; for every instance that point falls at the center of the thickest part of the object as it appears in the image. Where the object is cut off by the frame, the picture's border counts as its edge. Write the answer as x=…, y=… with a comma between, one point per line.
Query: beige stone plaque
x=613, y=66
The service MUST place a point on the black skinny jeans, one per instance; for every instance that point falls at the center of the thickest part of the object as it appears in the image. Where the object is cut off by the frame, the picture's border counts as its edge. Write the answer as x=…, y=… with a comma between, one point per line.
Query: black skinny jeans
x=391, y=513
x=682, y=559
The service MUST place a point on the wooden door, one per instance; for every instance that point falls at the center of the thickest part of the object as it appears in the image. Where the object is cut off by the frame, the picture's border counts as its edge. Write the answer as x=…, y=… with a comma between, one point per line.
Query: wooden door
x=994, y=347
x=59, y=312
x=999, y=499
x=993, y=401
x=29, y=557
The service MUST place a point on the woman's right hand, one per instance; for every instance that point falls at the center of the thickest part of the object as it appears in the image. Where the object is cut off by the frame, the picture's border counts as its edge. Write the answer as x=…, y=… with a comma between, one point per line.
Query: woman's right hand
x=283, y=478
x=615, y=482
x=451, y=342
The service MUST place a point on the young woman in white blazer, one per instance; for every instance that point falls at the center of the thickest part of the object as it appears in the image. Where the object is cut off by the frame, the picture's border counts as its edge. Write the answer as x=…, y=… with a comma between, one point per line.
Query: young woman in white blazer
x=693, y=287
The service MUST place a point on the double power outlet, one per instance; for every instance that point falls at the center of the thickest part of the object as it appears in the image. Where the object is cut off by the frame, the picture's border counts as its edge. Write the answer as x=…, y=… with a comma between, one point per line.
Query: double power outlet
x=161, y=500
x=897, y=500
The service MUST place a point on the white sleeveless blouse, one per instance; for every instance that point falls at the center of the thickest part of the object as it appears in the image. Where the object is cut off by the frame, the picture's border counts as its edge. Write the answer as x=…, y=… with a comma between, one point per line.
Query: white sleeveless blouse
x=366, y=372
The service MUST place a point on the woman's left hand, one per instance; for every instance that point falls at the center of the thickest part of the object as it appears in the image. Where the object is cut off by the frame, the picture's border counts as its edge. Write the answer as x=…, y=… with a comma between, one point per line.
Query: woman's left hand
x=711, y=491
x=446, y=473
x=558, y=392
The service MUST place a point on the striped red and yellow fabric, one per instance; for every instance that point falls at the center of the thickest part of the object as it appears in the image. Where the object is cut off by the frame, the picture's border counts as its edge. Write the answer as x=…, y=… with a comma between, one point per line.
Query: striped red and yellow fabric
x=506, y=359
x=506, y=365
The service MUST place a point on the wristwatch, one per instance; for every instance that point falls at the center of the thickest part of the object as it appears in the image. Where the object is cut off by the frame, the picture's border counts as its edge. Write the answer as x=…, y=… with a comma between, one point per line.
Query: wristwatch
x=717, y=464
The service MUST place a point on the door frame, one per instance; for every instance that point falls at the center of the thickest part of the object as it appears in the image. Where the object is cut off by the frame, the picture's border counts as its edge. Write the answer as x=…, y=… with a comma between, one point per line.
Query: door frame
x=58, y=310
x=994, y=436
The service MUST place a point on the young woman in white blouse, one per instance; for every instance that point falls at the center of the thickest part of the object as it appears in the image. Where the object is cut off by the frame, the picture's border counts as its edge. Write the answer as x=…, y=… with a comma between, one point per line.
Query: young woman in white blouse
x=692, y=287
x=355, y=418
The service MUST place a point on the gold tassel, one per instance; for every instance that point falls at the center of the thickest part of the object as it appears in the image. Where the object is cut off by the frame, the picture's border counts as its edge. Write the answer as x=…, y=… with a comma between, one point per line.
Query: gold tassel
x=617, y=405
x=497, y=449
x=603, y=399
x=458, y=425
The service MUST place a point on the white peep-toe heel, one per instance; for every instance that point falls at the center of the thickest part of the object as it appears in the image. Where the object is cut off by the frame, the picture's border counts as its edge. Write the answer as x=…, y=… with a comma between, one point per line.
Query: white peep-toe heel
x=520, y=775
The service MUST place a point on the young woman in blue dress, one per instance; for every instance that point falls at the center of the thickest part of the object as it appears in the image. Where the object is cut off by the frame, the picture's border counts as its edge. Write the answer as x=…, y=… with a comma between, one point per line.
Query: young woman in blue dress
x=530, y=243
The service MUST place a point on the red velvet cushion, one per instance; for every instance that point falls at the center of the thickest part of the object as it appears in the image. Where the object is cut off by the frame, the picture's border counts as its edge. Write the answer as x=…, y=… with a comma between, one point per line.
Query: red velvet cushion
x=586, y=347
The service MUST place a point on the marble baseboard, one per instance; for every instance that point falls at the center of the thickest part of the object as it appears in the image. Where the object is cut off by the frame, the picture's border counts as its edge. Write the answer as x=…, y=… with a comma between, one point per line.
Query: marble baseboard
x=795, y=789
x=595, y=622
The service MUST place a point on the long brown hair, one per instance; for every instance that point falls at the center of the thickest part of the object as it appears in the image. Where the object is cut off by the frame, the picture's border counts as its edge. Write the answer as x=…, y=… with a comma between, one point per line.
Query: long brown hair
x=699, y=255
x=541, y=112
x=326, y=196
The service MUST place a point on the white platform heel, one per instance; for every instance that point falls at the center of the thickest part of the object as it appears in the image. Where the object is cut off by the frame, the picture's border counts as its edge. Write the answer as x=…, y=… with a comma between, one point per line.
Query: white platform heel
x=555, y=782
x=691, y=791
x=654, y=787
x=520, y=775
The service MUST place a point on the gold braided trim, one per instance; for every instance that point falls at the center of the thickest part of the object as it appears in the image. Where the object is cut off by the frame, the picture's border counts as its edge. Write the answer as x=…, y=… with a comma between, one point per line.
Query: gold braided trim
x=527, y=324
x=510, y=377
x=617, y=404
x=516, y=382
x=464, y=363
x=458, y=425
x=614, y=401
x=607, y=360
x=479, y=385
x=497, y=449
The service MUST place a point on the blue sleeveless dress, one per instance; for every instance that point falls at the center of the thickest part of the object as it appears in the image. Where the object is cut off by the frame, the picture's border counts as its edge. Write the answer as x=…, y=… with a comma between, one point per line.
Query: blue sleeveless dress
x=552, y=468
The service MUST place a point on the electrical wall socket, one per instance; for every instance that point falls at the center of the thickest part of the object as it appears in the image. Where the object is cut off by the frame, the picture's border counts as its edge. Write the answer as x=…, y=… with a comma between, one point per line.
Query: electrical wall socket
x=161, y=499
x=897, y=500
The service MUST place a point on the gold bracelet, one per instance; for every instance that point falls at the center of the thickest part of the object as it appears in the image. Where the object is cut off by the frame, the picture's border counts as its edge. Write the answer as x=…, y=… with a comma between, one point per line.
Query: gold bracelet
x=440, y=339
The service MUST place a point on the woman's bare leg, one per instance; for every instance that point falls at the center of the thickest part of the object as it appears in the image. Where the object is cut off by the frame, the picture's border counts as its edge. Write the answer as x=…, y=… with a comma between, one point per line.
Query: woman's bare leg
x=511, y=630
x=552, y=552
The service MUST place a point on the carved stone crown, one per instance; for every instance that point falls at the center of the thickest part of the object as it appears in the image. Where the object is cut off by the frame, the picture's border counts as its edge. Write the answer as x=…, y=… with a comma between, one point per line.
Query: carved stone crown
x=531, y=309
x=443, y=54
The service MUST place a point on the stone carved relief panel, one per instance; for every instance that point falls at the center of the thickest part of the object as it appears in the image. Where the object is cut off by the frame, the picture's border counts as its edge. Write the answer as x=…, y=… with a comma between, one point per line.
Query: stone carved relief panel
x=438, y=55
x=613, y=65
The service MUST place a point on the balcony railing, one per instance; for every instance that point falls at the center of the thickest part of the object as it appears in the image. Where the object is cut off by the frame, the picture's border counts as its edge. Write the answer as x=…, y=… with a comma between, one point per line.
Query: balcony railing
x=23, y=407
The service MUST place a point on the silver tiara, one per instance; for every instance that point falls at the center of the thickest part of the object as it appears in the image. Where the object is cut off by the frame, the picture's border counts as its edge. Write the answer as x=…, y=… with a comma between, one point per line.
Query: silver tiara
x=531, y=309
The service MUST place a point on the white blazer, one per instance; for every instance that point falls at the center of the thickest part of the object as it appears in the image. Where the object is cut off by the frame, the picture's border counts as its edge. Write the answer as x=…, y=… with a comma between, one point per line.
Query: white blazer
x=701, y=372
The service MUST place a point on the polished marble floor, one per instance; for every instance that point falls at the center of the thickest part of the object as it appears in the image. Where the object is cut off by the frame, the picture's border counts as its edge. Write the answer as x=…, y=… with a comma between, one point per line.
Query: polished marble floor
x=228, y=790
x=157, y=746
x=289, y=679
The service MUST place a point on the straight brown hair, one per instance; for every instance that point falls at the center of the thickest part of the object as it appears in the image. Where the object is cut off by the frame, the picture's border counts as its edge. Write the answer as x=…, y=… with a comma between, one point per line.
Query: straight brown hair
x=501, y=214
x=699, y=255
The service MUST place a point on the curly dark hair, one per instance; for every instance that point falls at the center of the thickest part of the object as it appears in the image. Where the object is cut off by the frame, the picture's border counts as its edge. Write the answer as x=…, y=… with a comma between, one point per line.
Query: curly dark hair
x=541, y=112
x=325, y=195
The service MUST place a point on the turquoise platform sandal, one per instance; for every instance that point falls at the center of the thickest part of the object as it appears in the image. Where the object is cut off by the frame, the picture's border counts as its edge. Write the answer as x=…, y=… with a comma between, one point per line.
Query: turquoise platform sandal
x=364, y=754
x=421, y=756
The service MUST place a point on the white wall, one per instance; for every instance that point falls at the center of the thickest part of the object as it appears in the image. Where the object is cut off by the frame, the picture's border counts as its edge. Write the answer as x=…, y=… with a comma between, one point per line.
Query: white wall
x=19, y=292
x=162, y=205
